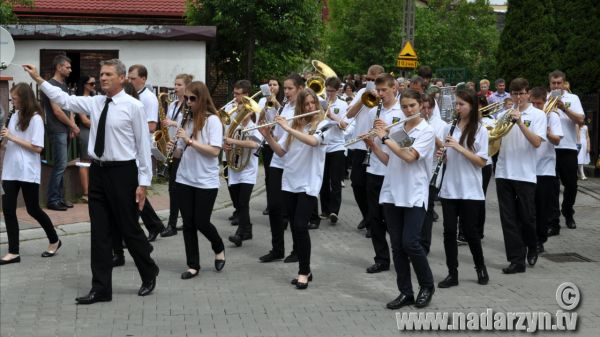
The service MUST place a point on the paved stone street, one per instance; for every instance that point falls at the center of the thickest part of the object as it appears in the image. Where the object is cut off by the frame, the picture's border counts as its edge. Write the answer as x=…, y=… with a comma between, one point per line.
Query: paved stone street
x=253, y=299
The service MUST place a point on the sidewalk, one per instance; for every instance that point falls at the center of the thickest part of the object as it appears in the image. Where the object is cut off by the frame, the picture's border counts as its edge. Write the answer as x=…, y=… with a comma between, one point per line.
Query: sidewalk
x=254, y=299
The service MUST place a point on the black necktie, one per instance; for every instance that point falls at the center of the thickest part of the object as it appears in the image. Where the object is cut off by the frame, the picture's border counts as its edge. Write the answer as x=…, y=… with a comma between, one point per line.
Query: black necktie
x=99, y=145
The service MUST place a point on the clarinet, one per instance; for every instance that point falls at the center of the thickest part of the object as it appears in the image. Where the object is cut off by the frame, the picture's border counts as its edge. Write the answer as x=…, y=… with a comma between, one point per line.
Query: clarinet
x=367, y=161
x=261, y=146
x=8, y=116
x=441, y=159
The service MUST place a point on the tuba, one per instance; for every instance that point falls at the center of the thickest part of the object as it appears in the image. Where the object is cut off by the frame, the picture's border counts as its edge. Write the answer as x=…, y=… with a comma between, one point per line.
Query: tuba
x=238, y=157
x=317, y=82
x=160, y=137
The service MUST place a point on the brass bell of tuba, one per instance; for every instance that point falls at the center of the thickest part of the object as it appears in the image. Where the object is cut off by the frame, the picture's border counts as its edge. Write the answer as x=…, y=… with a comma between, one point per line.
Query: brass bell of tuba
x=317, y=82
x=239, y=157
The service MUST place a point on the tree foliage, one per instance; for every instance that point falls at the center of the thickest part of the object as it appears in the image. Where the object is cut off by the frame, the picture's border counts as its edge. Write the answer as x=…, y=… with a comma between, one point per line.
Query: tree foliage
x=256, y=39
x=6, y=10
x=451, y=33
x=360, y=33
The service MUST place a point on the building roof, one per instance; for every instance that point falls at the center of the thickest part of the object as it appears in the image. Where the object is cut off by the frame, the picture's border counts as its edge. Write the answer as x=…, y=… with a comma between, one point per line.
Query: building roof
x=161, y=8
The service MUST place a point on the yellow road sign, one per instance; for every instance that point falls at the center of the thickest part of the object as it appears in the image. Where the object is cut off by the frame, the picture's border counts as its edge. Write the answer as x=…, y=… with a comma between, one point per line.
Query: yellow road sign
x=406, y=64
x=407, y=52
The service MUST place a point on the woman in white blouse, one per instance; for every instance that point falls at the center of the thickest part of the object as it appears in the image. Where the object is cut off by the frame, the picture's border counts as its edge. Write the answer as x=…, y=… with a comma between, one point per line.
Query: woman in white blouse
x=304, y=162
x=200, y=139
x=22, y=171
x=462, y=191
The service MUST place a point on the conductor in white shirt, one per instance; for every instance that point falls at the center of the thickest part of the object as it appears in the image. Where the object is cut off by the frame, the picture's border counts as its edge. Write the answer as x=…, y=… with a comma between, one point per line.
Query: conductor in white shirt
x=117, y=191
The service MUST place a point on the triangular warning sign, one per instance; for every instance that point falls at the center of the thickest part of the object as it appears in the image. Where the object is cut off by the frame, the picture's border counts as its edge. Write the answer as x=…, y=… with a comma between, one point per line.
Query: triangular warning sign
x=407, y=52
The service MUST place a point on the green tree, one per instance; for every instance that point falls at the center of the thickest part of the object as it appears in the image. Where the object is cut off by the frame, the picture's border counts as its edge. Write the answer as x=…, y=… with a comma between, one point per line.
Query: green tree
x=6, y=10
x=457, y=33
x=529, y=41
x=360, y=33
x=256, y=39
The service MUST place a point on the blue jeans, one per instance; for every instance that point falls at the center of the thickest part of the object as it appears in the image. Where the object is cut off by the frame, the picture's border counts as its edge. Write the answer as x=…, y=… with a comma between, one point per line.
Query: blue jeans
x=58, y=142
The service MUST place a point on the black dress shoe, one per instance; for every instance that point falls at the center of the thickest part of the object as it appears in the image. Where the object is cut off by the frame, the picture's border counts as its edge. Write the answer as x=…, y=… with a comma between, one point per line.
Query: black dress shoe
x=266, y=211
x=362, y=224
x=51, y=254
x=291, y=258
x=333, y=218
x=570, y=223
x=118, y=260
x=66, y=203
x=57, y=206
x=148, y=286
x=514, y=268
x=186, y=275
x=378, y=268
x=540, y=248
x=424, y=297
x=168, y=231
x=401, y=301
x=93, y=297
x=220, y=264
x=313, y=225
x=324, y=215
x=271, y=256
x=552, y=231
x=449, y=281
x=532, y=257
x=237, y=238
x=232, y=216
x=368, y=234
x=295, y=281
x=13, y=260
x=152, y=236
x=482, y=275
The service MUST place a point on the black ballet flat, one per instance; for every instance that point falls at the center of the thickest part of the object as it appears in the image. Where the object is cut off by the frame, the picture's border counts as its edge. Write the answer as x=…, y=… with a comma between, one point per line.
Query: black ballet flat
x=51, y=254
x=295, y=281
x=188, y=275
x=13, y=260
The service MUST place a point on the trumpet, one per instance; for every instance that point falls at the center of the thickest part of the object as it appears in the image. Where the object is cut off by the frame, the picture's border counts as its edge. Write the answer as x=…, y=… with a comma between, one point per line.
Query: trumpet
x=287, y=119
x=373, y=133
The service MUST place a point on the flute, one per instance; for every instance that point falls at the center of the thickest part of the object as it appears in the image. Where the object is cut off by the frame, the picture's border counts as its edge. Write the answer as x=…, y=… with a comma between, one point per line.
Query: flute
x=287, y=119
x=373, y=133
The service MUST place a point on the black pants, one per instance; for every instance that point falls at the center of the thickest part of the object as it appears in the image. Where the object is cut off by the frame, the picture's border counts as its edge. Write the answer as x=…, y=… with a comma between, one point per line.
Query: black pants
x=566, y=168
x=347, y=163
x=428, y=220
x=331, y=189
x=516, y=201
x=486, y=173
x=375, y=220
x=545, y=201
x=299, y=209
x=241, y=202
x=196, y=207
x=226, y=174
x=554, y=217
x=113, y=211
x=404, y=224
x=468, y=211
x=31, y=195
x=267, y=153
x=276, y=205
x=151, y=221
x=358, y=176
x=173, y=203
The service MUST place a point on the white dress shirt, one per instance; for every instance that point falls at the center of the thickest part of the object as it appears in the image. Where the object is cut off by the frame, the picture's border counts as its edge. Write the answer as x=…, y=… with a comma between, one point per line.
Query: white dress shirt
x=150, y=102
x=335, y=135
x=21, y=164
x=389, y=116
x=126, y=133
x=569, y=128
x=361, y=124
x=278, y=133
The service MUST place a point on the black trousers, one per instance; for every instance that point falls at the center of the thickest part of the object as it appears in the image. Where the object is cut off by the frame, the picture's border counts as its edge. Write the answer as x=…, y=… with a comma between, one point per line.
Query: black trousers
x=299, y=209
x=31, y=195
x=196, y=205
x=151, y=221
x=276, y=205
x=516, y=201
x=241, y=202
x=404, y=224
x=358, y=176
x=226, y=174
x=375, y=220
x=113, y=211
x=486, y=173
x=267, y=153
x=468, y=211
x=566, y=169
x=331, y=189
x=554, y=218
x=173, y=203
x=428, y=220
x=347, y=164
x=545, y=201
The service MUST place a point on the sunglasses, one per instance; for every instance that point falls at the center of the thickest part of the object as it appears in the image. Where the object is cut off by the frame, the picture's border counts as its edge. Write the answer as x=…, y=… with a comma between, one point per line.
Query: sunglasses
x=93, y=84
x=190, y=98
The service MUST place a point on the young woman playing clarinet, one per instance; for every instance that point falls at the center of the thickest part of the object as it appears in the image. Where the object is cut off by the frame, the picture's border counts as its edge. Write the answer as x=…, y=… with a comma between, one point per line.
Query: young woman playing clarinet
x=200, y=139
x=404, y=196
x=462, y=191
x=22, y=170
x=304, y=162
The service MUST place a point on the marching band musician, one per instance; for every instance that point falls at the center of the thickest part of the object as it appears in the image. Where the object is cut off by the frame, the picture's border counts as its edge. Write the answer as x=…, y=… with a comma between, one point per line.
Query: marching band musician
x=461, y=192
x=571, y=114
x=488, y=122
x=304, y=158
x=200, y=139
x=389, y=112
x=546, y=201
x=242, y=182
x=516, y=178
x=331, y=190
x=404, y=195
x=292, y=85
x=175, y=113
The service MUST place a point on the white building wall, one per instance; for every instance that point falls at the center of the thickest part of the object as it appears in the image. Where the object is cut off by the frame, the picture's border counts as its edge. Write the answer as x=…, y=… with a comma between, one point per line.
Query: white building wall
x=164, y=59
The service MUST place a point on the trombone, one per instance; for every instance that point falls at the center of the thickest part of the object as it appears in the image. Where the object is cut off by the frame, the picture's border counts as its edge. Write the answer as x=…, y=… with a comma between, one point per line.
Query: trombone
x=287, y=119
x=491, y=109
x=373, y=133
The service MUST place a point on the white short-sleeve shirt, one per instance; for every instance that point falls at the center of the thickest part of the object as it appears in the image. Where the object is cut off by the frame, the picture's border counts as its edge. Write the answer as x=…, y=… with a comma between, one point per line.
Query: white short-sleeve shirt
x=198, y=169
x=248, y=174
x=407, y=184
x=389, y=116
x=175, y=113
x=19, y=163
x=488, y=122
x=462, y=178
x=546, y=155
x=517, y=159
x=278, y=133
x=569, y=128
x=335, y=135
x=304, y=165
x=150, y=103
x=362, y=122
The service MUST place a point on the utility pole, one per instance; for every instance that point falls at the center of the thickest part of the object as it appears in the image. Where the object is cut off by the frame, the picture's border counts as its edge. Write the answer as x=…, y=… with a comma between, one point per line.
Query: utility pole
x=408, y=31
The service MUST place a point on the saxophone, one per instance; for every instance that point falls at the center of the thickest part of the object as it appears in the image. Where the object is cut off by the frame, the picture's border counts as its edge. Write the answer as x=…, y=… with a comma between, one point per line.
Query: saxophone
x=160, y=137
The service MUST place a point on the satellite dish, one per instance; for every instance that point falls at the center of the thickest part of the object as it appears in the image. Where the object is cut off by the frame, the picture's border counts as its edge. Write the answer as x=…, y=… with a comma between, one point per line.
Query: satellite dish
x=7, y=48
